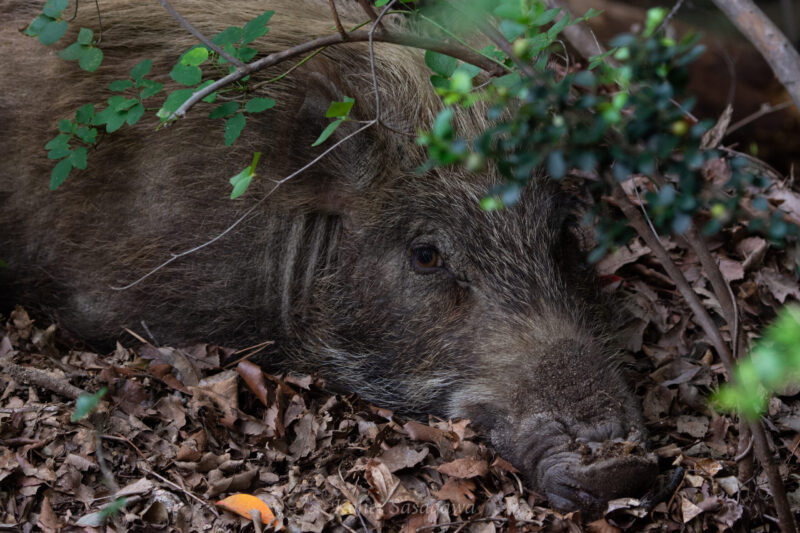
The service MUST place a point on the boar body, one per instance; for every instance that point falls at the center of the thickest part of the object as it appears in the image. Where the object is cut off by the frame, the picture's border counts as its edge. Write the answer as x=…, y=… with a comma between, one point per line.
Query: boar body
x=387, y=283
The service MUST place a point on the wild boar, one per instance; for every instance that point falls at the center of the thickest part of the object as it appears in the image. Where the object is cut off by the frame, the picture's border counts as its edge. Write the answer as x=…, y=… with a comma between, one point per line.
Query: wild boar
x=388, y=283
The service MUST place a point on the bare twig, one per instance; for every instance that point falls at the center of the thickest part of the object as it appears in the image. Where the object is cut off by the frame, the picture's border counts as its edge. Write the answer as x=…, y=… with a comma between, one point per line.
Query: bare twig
x=765, y=109
x=670, y=15
x=197, y=33
x=781, y=55
x=338, y=22
x=375, y=24
x=413, y=41
x=247, y=213
x=184, y=491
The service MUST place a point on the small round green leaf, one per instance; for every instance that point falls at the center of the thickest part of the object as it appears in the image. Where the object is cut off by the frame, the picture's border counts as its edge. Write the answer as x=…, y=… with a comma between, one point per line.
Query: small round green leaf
x=85, y=36
x=141, y=69
x=224, y=110
x=186, y=74
x=195, y=56
x=54, y=8
x=90, y=58
x=52, y=31
x=120, y=85
x=71, y=52
x=78, y=158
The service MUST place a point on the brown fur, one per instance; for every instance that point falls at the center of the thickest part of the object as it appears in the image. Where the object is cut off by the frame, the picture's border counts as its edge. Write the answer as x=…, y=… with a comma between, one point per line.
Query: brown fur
x=506, y=334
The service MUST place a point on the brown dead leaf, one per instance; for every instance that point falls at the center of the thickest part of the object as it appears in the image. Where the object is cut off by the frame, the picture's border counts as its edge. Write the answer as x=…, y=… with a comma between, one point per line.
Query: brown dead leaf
x=465, y=467
x=48, y=520
x=601, y=526
x=253, y=377
x=457, y=491
x=689, y=510
x=402, y=456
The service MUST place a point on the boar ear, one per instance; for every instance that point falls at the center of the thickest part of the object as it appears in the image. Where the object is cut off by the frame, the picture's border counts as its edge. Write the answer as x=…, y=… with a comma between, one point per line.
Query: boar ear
x=345, y=170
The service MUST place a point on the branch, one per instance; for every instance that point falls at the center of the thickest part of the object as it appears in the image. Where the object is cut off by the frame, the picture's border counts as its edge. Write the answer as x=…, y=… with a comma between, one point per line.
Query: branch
x=769, y=40
x=197, y=33
x=413, y=41
x=338, y=22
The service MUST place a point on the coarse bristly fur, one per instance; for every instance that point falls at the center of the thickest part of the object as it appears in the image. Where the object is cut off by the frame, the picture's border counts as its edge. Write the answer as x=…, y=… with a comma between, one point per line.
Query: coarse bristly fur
x=505, y=330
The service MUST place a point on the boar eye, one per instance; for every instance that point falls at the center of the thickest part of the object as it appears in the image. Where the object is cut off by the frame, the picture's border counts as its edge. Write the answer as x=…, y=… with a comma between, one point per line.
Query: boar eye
x=426, y=259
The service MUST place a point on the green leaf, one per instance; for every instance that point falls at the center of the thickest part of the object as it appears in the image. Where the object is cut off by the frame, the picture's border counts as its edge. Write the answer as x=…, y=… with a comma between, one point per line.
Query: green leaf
x=86, y=403
x=174, y=101
x=84, y=114
x=256, y=28
x=54, y=8
x=257, y=105
x=59, y=152
x=120, y=85
x=233, y=128
x=87, y=135
x=340, y=109
x=546, y=17
x=60, y=140
x=511, y=30
x=442, y=127
x=328, y=131
x=37, y=25
x=223, y=110
x=556, y=165
x=114, y=121
x=65, y=125
x=440, y=64
x=246, y=53
x=141, y=69
x=556, y=28
x=151, y=88
x=78, y=158
x=230, y=35
x=195, y=56
x=186, y=74
x=241, y=181
x=90, y=58
x=134, y=114
x=120, y=103
x=71, y=52
x=60, y=173
x=52, y=31
x=85, y=36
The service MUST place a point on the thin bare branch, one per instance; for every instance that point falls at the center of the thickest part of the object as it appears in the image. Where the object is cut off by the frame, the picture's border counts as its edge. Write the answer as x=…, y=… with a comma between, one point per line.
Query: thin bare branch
x=413, y=41
x=338, y=22
x=781, y=55
x=375, y=25
x=197, y=33
x=765, y=109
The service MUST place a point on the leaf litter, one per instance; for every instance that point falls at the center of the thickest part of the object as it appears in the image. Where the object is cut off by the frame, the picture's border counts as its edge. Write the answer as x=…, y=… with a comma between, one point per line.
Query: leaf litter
x=184, y=428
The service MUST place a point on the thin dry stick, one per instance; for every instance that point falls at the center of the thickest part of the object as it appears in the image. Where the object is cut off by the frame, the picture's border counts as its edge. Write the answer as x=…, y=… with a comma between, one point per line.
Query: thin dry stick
x=181, y=489
x=197, y=33
x=413, y=41
x=338, y=22
x=367, y=7
x=765, y=457
x=768, y=39
x=765, y=109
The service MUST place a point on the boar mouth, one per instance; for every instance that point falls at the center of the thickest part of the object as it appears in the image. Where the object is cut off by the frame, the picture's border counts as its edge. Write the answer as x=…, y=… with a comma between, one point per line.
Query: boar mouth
x=574, y=481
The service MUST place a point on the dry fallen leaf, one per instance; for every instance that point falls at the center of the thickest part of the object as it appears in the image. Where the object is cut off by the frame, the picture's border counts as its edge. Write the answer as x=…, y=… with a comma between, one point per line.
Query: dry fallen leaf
x=465, y=467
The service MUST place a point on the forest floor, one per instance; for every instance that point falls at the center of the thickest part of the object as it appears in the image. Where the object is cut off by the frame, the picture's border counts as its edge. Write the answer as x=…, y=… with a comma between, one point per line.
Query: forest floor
x=181, y=429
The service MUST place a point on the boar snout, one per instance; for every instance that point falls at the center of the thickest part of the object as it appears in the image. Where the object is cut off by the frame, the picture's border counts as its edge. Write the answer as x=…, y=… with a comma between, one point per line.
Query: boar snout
x=574, y=480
